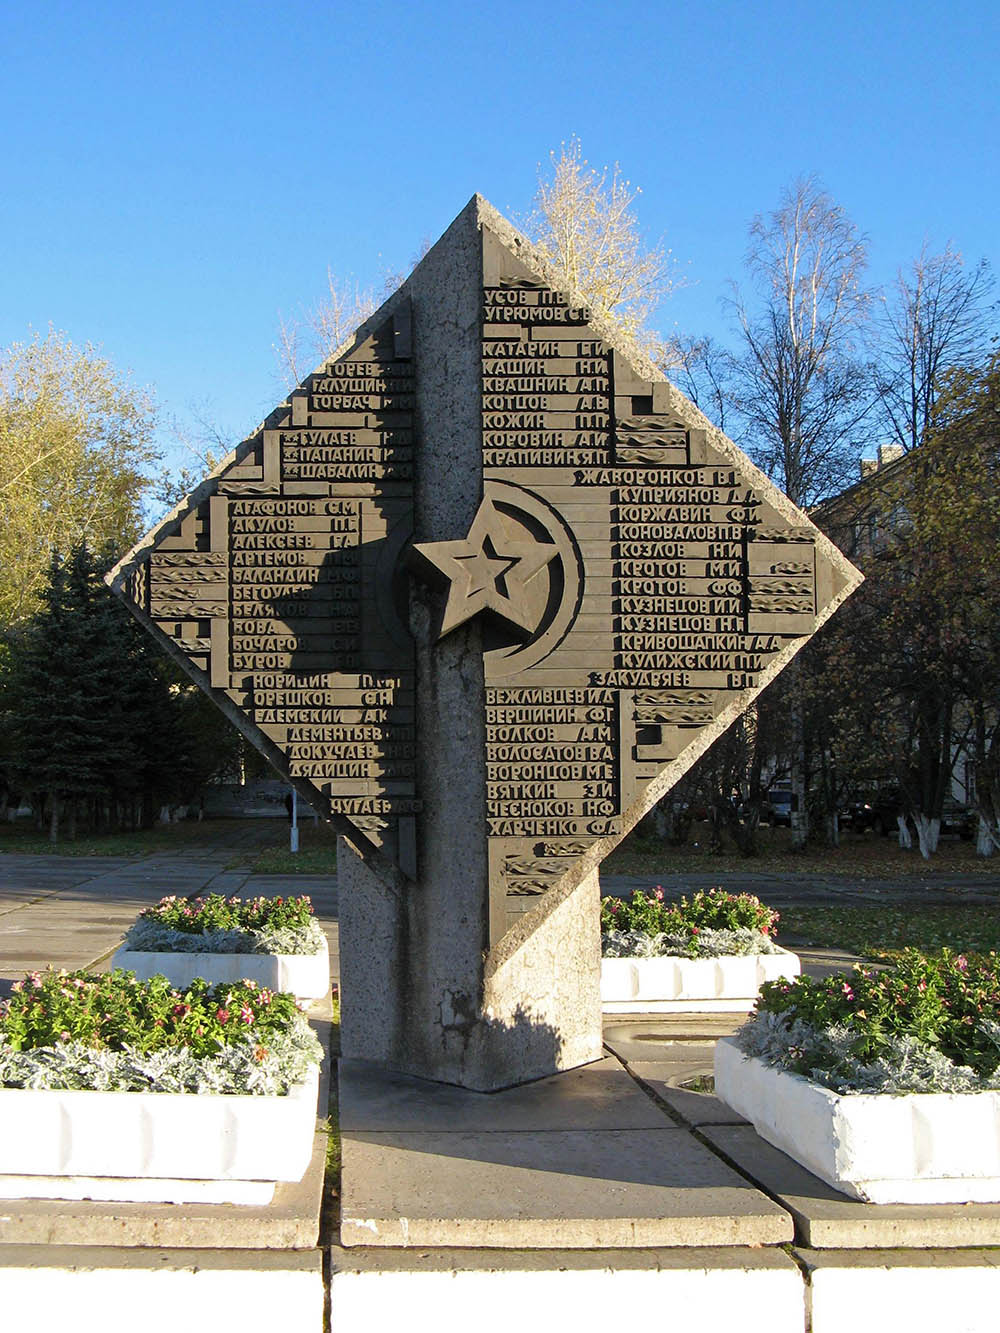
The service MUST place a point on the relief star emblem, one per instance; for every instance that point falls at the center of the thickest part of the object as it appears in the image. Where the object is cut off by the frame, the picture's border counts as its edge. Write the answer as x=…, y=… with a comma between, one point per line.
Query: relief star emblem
x=488, y=571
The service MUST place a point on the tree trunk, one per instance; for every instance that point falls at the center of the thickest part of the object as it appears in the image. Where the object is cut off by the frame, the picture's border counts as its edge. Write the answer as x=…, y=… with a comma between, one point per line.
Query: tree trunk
x=832, y=824
x=928, y=832
x=905, y=841
x=54, y=819
x=799, y=816
x=987, y=839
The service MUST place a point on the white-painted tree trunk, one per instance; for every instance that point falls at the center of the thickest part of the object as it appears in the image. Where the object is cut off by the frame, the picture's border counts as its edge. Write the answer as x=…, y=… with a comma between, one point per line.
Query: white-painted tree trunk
x=987, y=839
x=928, y=832
x=905, y=841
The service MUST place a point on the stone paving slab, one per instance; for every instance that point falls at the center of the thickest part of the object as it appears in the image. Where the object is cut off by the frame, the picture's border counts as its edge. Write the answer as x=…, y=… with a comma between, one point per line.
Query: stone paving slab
x=554, y=1189
x=826, y=1219
x=694, y=1108
x=289, y=1222
x=477, y=1259
x=666, y=1038
x=597, y=1096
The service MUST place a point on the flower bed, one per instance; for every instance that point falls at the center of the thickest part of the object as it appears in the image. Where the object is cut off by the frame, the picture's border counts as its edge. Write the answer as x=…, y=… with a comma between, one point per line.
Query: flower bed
x=711, y=953
x=276, y=942
x=885, y=1083
x=110, y=1078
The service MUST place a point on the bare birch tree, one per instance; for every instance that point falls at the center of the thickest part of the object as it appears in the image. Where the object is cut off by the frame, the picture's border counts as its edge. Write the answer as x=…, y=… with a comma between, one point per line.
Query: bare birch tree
x=799, y=385
x=315, y=333
x=584, y=226
x=936, y=318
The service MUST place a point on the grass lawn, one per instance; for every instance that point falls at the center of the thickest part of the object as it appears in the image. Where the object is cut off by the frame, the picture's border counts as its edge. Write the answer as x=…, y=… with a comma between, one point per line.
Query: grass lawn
x=863, y=855
x=261, y=843
x=24, y=838
x=317, y=854
x=885, y=928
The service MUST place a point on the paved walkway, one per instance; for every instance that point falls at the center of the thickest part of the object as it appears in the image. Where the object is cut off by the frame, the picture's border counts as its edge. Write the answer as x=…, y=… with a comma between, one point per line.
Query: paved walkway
x=73, y=911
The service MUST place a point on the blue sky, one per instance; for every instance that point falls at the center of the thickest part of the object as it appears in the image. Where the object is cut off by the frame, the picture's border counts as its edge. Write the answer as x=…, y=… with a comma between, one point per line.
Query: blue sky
x=174, y=176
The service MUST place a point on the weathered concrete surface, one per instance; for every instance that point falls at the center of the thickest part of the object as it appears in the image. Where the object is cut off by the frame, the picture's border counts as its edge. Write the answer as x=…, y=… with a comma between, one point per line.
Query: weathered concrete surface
x=825, y=1219
x=538, y=1012
x=590, y=1291
x=563, y=1188
x=455, y=1169
x=667, y=1038
x=160, y=1290
x=599, y=1096
x=694, y=1108
x=418, y=994
x=289, y=1222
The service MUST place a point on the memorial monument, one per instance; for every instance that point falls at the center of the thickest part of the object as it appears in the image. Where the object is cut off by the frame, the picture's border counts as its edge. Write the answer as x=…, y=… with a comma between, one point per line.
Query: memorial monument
x=483, y=588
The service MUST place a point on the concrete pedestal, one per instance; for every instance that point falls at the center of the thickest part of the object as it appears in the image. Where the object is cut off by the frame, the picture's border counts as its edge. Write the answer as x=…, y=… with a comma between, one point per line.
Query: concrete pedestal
x=419, y=994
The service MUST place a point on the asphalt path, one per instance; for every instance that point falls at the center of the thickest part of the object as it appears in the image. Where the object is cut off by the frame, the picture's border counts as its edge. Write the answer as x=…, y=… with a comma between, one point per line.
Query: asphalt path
x=72, y=911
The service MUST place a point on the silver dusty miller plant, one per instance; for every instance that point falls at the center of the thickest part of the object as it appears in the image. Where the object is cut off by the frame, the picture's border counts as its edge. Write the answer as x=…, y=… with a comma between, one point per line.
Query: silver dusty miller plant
x=825, y=1056
x=149, y=936
x=245, y=1067
x=710, y=944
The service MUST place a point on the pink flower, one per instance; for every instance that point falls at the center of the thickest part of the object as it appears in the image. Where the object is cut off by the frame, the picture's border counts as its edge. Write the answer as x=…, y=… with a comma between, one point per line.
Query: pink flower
x=246, y=1014
x=961, y=962
x=658, y=894
x=222, y=1015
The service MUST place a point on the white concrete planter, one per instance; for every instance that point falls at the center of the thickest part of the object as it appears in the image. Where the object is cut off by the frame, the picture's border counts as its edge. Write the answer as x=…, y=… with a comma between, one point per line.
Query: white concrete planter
x=917, y=1148
x=166, y=1138
x=305, y=975
x=690, y=985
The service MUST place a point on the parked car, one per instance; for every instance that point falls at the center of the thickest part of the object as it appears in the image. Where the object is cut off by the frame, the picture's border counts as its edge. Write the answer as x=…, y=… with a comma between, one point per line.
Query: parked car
x=777, y=807
x=881, y=812
x=856, y=815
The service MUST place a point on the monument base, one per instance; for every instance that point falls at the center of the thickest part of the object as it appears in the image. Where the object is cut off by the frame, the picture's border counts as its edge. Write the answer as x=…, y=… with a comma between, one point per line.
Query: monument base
x=433, y=1003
